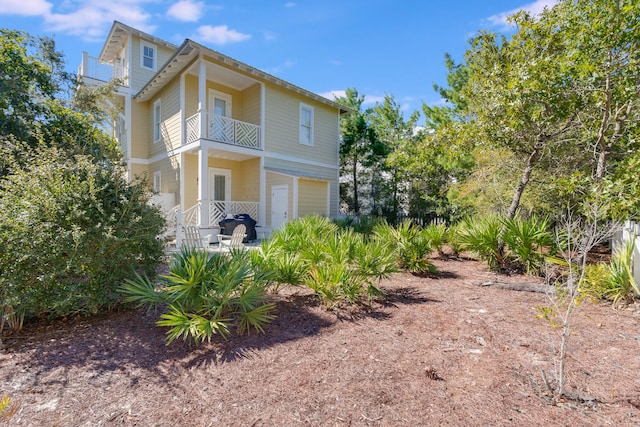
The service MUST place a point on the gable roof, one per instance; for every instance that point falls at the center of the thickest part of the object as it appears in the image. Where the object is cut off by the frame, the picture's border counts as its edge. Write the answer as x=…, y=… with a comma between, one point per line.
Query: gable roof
x=116, y=40
x=183, y=56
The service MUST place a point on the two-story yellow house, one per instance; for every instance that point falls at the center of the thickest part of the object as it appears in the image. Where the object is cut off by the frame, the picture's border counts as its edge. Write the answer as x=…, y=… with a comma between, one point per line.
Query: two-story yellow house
x=217, y=136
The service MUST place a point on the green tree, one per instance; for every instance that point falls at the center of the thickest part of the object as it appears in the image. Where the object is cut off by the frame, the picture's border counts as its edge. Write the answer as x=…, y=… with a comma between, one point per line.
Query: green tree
x=391, y=186
x=71, y=227
x=602, y=36
x=360, y=148
x=520, y=94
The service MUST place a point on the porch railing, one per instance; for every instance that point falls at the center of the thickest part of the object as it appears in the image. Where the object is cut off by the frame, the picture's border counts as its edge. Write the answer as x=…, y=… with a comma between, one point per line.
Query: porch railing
x=92, y=67
x=192, y=215
x=223, y=129
x=219, y=209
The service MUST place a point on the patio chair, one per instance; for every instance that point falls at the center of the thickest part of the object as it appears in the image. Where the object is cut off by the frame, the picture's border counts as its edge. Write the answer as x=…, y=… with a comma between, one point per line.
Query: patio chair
x=235, y=240
x=193, y=239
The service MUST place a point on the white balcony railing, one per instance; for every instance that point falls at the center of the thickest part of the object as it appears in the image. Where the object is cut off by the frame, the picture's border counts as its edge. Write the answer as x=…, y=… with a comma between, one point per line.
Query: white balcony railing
x=92, y=68
x=223, y=129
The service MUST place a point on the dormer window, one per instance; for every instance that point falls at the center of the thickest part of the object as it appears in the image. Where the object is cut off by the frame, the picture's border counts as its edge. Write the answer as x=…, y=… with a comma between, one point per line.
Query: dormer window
x=148, y=55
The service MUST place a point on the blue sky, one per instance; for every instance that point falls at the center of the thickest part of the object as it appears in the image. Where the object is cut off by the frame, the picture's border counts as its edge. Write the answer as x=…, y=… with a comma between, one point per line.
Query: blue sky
x=376, y=46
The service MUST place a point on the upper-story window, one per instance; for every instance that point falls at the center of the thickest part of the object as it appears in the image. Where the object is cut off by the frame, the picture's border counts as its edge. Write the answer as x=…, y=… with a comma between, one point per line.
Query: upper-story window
x=306, y=124
x=157, y=118
x=148, y=56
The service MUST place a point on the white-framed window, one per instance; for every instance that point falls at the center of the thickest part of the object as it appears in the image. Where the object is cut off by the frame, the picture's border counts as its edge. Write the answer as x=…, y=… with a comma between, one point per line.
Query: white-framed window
x=157, y=181
x=157, y=119
x=306, y=124
x=148, y=54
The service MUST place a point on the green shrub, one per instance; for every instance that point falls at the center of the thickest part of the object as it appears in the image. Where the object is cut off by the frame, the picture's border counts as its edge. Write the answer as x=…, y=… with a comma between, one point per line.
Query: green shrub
x=453, y=239
x=620, y=285
x=505, y=243
x=207, y=296
x=437, y=235
x=595, y=283
x=482, y=236
x=71, y=230
x=337, y=264
x=526, y=240
x=411, y=244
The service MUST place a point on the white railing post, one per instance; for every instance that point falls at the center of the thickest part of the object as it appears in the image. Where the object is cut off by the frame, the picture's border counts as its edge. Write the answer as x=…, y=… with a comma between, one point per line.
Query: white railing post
x=179, y=228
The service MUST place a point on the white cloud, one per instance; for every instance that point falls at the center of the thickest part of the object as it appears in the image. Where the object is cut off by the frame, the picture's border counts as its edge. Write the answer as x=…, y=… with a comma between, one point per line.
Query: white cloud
x=24, y=7
x=90, y=19
x=373, y=99
x=282, y=67
x=535, y=8
x=268, y=35
x=289, y=4
x=186, y=10
x=333, y=94
x=219, y=35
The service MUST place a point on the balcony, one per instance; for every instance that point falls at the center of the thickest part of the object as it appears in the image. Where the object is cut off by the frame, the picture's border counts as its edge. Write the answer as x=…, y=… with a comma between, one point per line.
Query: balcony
x=92, y=68
x=222, y=129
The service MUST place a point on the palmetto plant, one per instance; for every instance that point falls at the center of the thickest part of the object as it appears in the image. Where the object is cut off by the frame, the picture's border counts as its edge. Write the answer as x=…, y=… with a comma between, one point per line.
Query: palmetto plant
x=207, y=296
x=437, y=235
x=526, y=239
x=620, y=285
x=482, y=236
x=337, y=264
x=410, y=243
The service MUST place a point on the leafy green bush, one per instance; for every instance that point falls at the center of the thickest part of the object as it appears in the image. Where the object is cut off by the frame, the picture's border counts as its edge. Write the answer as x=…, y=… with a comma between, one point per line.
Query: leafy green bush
x=620, y=284
x=453, y=239
x=526, y=239
x=482, y=236
x=207, y=296
x=437, y=235
x=337, y=264
x=411, y=244
x=506, y=243
x=363, y=224
x=595, y=283
x=71, y=230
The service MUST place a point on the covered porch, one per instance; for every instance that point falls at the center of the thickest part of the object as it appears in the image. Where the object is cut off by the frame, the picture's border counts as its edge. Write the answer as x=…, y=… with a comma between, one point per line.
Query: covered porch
x=217, y=183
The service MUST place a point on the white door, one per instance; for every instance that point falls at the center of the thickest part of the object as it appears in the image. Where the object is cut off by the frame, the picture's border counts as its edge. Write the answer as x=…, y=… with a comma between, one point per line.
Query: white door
x=279, y=205
x=220, y=193
x=220, y=113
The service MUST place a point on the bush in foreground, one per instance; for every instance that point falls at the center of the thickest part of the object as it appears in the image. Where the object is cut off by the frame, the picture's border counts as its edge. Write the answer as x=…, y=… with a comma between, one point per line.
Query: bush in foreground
x=206, y=295
x=71, y=230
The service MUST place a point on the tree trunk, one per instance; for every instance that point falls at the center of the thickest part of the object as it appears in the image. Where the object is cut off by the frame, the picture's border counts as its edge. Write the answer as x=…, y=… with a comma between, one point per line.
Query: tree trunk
x=526, y=175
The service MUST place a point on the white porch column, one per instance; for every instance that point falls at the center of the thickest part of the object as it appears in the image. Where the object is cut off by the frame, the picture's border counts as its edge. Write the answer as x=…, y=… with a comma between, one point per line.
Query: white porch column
x=202, y=97
x=262, y=207
x=203, y=187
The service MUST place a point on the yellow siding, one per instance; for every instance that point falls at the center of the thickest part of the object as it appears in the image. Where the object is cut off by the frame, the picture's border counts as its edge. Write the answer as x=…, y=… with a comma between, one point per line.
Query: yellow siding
x=170, y=119
x=139, y=76
x=249, y=185
x=190, y=180
x=250, y=108
x=139, y=171
x=245, y=104
x=169, y=175
x=277, y=179
x=329, y=174
x=140, y=130
x=312, y=197
x=282, y=129
x=191, y=95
